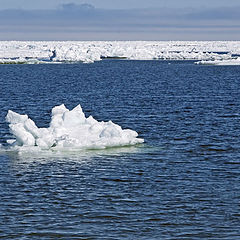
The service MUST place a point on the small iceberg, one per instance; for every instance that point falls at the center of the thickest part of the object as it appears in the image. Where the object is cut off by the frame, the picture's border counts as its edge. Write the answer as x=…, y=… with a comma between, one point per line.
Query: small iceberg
x=68, y=129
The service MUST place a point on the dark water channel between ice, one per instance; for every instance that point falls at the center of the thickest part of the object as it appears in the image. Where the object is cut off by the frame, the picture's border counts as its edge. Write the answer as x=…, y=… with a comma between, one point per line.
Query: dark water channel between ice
x=183, y=183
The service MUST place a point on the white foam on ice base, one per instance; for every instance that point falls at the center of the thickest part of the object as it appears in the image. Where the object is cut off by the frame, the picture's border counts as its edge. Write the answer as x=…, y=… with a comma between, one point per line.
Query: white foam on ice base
x=69, y=130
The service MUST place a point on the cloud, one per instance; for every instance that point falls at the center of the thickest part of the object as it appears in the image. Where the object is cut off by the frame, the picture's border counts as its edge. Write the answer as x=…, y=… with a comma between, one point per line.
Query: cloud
x=85, y=22
x=77, y=7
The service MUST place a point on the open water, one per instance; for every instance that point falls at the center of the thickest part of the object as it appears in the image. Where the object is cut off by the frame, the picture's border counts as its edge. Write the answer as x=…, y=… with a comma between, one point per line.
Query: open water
x=182, y=183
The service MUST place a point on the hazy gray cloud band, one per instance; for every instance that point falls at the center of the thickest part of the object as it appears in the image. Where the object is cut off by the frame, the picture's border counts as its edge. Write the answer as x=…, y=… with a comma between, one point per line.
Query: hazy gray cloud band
x=84, y=22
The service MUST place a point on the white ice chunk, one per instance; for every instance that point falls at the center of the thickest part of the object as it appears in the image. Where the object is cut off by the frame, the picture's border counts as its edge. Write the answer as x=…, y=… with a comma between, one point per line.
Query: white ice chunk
x=69, y=129
x=23, y=137
x=59, y=110
x=30, y=126
x=14, y=118
x=74, y=118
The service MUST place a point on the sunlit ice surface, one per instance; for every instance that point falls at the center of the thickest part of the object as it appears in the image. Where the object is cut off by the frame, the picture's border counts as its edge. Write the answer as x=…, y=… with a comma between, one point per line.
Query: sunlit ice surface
x=68, y=131
x=43, y=52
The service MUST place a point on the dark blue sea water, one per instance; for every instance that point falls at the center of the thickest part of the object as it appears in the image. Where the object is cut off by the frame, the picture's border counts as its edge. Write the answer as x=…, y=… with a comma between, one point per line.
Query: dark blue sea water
x=183, y=183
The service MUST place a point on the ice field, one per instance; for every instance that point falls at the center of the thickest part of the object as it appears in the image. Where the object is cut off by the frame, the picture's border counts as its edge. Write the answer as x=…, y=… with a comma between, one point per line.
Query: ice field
x=31, y=52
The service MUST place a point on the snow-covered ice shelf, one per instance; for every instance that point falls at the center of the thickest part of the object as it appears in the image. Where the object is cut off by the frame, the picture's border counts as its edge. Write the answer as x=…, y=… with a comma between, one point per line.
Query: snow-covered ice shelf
x=90, y=51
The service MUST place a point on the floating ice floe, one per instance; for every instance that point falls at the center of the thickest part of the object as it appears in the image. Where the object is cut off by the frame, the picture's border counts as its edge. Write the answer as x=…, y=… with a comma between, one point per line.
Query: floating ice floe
x=221, y=62
x=68, y=130
x=30, y=52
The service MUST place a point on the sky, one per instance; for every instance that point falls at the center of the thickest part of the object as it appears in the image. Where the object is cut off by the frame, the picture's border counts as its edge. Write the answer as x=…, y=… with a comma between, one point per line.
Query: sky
x=119, y=20
x=117, y=4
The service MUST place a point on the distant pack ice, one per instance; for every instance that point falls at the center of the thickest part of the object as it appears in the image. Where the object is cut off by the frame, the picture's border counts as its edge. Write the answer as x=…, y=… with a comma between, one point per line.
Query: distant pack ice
x=68, y=130
x=220, y=62
x=90, y=51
